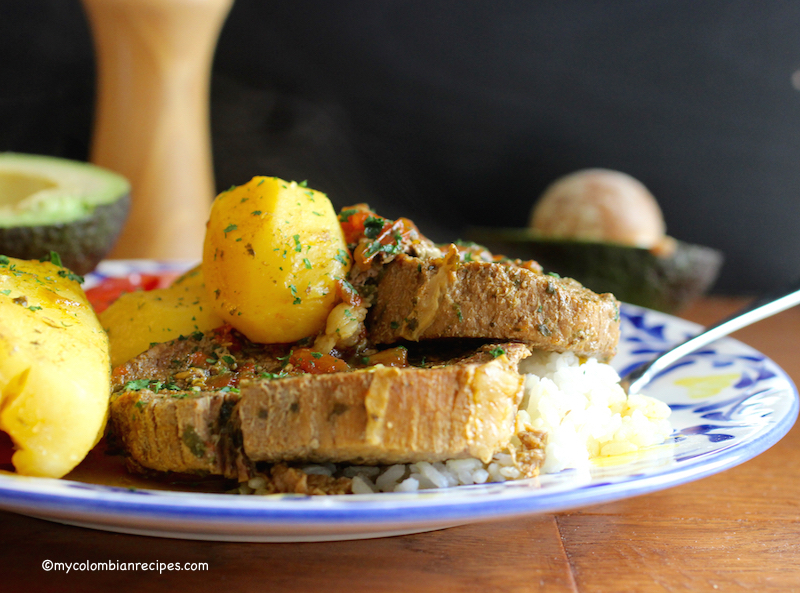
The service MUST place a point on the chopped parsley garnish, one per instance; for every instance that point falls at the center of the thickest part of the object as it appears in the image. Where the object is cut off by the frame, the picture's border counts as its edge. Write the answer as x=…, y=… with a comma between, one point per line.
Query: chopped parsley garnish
x=344, y=215
x=256, y=213
x=137, y=385
x=347, y=285
x=272, y=376
x=297, y=246
x=4, y=261
x=229, y=360
x=495, y=352
x=373, y=226
x=307, y=263
x=69, y=275
x=293, y=289
x=229, y=228
x=457, y=309
x=54, y=258
x=342, y=257
x=375, y=247
x=316, y=354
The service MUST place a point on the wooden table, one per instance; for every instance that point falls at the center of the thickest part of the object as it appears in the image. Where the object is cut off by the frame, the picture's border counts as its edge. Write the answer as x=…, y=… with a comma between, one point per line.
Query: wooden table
x=735, y=531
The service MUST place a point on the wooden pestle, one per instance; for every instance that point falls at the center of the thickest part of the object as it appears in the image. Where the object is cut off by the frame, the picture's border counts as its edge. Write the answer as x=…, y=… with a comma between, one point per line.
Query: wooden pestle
x=152, y=117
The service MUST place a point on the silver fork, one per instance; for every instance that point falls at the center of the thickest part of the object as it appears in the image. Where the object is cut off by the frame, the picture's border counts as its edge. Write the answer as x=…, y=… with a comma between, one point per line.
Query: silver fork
x=761, y=308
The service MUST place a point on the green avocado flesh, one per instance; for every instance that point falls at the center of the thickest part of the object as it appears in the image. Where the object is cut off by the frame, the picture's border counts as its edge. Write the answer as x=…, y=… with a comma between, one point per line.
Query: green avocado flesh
x=53, y=204
x=633, y=275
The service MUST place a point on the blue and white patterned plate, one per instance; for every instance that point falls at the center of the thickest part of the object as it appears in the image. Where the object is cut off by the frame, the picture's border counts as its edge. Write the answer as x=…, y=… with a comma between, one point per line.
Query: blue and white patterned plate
x=730, y=403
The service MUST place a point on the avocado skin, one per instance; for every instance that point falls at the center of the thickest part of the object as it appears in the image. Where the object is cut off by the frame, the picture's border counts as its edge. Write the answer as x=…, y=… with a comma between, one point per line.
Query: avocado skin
x=81, y=243
x=633, y=275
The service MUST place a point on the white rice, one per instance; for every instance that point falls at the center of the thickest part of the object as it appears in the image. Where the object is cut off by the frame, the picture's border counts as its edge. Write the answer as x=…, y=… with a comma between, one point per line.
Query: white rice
x=580, y=405
x=585, y=412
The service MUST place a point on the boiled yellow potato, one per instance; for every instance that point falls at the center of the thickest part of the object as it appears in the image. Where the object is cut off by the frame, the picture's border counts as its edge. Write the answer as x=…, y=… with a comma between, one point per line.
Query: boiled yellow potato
x=54, y=368
x=138, y=319
x=272, y=253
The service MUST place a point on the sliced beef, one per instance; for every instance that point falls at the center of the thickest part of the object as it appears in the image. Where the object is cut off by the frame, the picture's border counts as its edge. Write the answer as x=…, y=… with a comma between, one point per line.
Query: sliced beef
x=202, y=361
x=184, y=432
x=387, y=415
x=172, y=407
x=374, y=415
x=423, y=299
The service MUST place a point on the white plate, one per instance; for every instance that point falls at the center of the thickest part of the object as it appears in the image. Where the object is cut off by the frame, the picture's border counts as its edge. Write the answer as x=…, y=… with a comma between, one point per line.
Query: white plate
x=730, y=403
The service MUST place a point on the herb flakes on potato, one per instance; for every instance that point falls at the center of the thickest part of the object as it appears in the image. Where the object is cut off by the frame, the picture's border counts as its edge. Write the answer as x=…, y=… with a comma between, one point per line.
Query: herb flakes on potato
x=54, y=367
x=270, y=259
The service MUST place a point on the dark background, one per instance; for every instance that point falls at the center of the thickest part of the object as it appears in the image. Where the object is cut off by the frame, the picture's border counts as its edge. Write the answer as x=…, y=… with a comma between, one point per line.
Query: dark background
x=460, y=112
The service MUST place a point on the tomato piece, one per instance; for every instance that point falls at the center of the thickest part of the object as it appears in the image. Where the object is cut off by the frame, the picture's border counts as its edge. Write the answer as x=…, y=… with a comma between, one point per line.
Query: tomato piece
x=348, y=293
x=393, y=357
x=316, y=363
x=120, y=374
x=198, y=360
x=353, y=226
x=229, y=337
x=110, y=289
x=247, y=369
x=222, y=380
x=393, y=238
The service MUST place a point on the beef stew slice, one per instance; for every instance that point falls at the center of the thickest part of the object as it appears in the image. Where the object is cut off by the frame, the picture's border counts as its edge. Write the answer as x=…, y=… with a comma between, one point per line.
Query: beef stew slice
x=380, y=415
x=423, y=299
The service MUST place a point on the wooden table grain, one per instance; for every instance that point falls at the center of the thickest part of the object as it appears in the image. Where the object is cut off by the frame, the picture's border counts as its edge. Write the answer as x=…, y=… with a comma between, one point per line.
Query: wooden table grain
x=735, y=531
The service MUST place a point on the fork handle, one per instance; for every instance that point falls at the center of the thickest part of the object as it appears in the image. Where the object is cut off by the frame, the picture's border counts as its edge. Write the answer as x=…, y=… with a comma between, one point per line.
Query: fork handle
x=761, y=308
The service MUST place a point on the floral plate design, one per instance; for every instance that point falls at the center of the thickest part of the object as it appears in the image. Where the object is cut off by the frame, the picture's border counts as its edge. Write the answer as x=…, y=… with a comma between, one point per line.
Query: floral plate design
x=730, y=403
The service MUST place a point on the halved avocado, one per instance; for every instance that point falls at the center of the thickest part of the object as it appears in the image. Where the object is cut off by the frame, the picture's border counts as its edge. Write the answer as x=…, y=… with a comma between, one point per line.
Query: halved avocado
x=634, y=275
x=52, y=204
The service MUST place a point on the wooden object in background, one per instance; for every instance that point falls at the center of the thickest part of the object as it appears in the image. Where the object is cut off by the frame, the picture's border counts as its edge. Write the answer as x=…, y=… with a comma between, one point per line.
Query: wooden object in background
x=152, y=117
